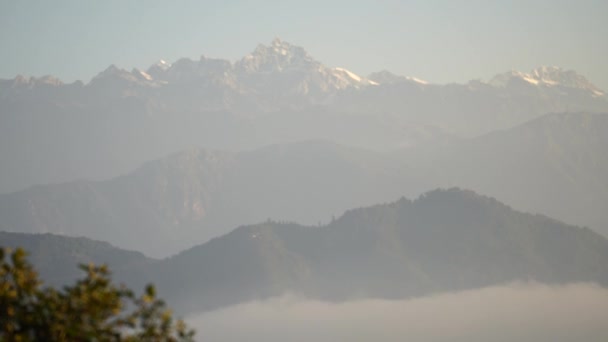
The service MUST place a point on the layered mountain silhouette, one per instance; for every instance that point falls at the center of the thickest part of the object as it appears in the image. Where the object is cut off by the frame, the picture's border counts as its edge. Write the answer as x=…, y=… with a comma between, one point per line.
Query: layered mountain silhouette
x=445, y=240
x=187, y=198
x=57, y=257
x=553, y=165
x=53, y=132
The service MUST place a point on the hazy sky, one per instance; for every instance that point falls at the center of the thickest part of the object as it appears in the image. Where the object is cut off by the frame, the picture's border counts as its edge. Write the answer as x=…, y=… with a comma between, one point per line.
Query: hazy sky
x=440, y=41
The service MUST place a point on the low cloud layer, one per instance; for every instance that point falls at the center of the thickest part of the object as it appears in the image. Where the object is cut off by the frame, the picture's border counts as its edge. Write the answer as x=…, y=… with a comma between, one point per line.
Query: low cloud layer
x=519, y=312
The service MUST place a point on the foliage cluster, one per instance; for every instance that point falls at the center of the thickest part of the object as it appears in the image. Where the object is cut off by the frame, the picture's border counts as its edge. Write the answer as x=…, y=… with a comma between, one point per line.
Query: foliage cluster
x=92, y=309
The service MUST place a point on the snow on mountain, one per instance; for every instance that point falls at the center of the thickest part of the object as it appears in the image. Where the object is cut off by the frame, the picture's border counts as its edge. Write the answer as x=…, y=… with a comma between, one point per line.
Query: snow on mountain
x=416, y=80
x=46, y=80
x=547, y=76
x=350, y=76
x=188, y=71
x=141, y=74
x=282, y=75
x=277, y=57
x=162, y=64
x=21, y=81
x=277, y=93
x=114, y=78
x=284, y=68
x=113, y=72
x=159, y=68
x=387, y=77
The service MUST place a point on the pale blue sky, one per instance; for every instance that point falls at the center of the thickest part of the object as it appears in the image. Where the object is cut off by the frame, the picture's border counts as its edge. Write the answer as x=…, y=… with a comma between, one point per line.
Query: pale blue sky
x=440, y=41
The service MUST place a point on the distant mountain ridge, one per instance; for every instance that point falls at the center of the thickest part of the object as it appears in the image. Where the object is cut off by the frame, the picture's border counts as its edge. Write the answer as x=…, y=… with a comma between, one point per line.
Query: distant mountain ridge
x=276, y=94
x=57, y=257
x=446, y=240
x=548, y=77
x=192, y=196
x=553, y=165
x=281, y=57
x=287, y=70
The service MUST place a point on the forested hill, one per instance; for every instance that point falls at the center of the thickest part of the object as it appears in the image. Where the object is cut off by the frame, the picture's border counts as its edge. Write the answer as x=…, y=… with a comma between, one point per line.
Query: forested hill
x=57, y=257
x=445, y=240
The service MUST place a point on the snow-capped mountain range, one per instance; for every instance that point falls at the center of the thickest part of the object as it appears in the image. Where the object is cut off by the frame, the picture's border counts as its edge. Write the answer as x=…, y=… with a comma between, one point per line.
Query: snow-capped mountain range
x=548, y=76
x=300, y=71
x=278, y=93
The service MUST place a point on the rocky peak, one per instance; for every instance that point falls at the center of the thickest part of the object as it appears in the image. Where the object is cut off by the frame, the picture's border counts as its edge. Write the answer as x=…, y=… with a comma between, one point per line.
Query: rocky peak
x=278, y=56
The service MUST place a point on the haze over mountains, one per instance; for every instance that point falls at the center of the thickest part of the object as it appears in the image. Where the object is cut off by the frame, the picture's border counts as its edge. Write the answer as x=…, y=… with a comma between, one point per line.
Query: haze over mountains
x=553, y=165
x=231, y=185
x=52, y=132
x=57, y=257
x=446, y=240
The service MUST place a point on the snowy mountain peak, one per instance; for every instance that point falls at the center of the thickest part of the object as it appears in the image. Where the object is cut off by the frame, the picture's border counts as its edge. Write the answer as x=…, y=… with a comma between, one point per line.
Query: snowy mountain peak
x=278, y=43
x=547, y=70
x=22, y=81
x=278, y=56
x=158, y=69
x=113, y=72
x=548, y=76
x=116, y=76
x=416, y=80
x=349, y=73
x=349, y=78
x=141, y=74
x=284, y=48
x=567, y=78
x=162, y=64
x=280, y=47
x=47, y=80
x=387, y=77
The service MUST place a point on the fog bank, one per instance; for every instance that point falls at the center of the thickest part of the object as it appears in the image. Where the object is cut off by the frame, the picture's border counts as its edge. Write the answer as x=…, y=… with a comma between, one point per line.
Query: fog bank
x=519, y=312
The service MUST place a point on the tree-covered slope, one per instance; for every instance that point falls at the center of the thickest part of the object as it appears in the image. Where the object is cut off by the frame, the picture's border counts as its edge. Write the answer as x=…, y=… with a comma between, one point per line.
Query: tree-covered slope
x=445, y=240
x=555, y=165
x=57, y=257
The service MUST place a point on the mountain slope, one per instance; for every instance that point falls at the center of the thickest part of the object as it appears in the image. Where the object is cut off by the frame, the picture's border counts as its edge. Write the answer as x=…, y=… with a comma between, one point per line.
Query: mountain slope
x=476, y=108
x=171, y=204
x=547, y=77
x=56, y=258
x=151, y=209
x=555, y=165
x=446, y=240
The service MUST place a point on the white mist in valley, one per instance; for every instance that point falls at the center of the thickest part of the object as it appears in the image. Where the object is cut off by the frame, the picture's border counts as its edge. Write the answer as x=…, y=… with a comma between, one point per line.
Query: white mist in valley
x=520, y=312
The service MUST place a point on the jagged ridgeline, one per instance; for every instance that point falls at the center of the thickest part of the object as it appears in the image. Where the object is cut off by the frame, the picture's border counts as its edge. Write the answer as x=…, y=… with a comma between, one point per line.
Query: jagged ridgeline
x=278, y=93
x=443, y=241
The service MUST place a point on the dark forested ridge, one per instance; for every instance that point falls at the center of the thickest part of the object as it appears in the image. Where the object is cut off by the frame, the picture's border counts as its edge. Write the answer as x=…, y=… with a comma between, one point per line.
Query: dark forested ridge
x=444, y=240
x=56, y=257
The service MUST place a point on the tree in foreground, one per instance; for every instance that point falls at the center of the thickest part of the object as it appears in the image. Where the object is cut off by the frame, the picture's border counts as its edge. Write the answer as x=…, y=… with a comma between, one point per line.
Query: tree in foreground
x=92, y=309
